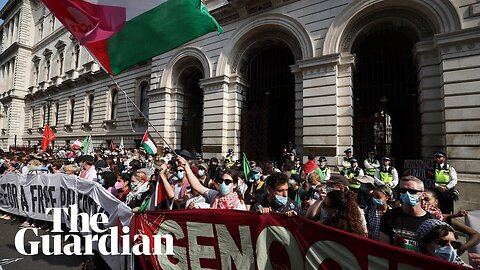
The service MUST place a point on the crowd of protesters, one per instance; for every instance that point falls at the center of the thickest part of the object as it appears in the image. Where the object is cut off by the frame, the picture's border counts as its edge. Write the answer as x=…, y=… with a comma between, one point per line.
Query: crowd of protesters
x=372, y=201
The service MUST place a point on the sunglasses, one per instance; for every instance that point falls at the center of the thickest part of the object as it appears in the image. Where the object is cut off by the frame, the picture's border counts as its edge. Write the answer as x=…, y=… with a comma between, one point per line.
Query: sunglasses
x=410, y=190
x=454, y=244
x=221, y=180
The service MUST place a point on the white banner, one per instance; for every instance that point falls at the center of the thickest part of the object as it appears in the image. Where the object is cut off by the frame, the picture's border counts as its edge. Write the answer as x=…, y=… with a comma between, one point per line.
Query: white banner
x=31, y=195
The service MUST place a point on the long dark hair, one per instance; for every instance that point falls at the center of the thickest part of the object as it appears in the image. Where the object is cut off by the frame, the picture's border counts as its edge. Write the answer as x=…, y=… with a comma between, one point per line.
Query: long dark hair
x=348, y=216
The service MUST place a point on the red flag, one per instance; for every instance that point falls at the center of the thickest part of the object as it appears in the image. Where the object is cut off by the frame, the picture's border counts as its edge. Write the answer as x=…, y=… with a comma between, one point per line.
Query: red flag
x=112, y=146
x=48, y=136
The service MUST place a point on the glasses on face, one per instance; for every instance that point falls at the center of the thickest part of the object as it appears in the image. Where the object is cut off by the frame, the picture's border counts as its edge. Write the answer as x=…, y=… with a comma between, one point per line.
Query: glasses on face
x=227, y=181
x=444, y=242
x=410, y=190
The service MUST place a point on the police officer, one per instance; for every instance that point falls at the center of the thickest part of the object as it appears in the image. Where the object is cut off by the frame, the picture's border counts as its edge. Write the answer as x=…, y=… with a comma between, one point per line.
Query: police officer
x=445, y=181
x=323, y=169
x=230, y=159
x=297, y=166
x=386, y=174
x=353, y=171
x=346, y=159
x=371, y=164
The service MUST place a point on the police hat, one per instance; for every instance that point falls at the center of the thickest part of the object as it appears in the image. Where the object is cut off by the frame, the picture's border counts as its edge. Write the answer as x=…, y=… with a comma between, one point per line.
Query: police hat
x=322, y=159
x=353, y=160
x=439, y=154
x=385, y=158
x=348, y=150
x=371, y=152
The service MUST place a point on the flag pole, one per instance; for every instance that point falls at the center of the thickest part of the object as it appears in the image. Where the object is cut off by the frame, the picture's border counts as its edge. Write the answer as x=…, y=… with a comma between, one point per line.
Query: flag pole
x=129, y=99
x=140, y=111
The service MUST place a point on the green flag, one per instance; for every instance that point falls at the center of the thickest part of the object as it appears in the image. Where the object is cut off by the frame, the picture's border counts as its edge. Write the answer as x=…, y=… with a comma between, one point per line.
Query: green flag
x=247, y=170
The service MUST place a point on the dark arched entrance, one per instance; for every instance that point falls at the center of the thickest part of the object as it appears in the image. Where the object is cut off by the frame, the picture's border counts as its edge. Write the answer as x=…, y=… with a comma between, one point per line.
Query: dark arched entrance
x=192, y=119
x=386, y=116
x=268, y=116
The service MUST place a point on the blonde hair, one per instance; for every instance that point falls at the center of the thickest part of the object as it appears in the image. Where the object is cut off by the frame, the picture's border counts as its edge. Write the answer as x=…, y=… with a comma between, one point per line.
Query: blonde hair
x=71, y=168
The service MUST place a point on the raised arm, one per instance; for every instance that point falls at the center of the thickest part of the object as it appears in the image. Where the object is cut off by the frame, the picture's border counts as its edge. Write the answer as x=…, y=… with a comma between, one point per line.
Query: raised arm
x=164, y=180
x=192, y=179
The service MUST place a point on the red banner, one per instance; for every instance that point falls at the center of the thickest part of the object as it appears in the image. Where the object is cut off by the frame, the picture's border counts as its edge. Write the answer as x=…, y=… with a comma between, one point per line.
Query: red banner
x=231, y=239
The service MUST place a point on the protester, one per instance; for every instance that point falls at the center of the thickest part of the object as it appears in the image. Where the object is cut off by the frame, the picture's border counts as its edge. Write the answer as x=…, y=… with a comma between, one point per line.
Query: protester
x=438, y=239
x=225, y=196
x=340, y=210
x=122, y=186
x=88, y=171
x=399, y=225
x=381, y=198
x=277, y=199
x=310, y=165
x=295, y=191
x=257, y=189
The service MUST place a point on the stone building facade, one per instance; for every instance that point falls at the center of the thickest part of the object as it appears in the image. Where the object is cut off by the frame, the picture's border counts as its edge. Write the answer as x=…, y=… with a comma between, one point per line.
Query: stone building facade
x=399, y=76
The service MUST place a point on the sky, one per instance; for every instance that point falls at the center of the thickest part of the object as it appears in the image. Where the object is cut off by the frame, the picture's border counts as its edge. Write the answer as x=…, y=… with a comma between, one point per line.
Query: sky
x=2, y=3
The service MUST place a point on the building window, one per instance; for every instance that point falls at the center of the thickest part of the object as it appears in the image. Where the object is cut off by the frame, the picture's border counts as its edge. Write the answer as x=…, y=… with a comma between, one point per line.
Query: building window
x=60, y=64
x=40, y=31
x=7, y=115
x=47, y=70
x=52, y=24
x=36, y=72
x=144, y=101
x=76, y=56
x=113, y=104
x=32, y=117
x=56, y=107
x=71, y=111
x=43, y=115
x=90, y=109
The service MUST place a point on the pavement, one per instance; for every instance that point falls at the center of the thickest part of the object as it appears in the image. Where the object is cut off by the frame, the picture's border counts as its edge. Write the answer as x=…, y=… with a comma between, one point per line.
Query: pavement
x=8, y=231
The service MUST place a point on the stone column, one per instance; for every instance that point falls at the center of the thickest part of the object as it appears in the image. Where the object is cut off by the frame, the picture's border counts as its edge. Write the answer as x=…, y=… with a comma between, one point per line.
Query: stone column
x=297, y=72
x=319, y=106
x=162, y=115
x=460, y=55
x=221, y=118
x=430, y=98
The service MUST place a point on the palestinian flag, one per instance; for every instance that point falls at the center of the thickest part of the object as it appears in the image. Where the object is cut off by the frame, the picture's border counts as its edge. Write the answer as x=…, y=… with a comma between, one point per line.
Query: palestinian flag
x=148, y=144
x=122, y=33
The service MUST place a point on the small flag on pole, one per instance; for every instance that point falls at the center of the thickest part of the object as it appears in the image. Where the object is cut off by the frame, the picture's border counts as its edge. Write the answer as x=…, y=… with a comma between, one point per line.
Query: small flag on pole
x=148, y=144
x=77, y=144
x=247, y=170
x=48, y=136
x=121, y=144
x=87, y=145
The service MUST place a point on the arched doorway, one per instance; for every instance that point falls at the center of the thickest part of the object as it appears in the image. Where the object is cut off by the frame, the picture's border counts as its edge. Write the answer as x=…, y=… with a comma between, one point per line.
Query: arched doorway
x=268, y=115
x=386, y=113
x=192, y=118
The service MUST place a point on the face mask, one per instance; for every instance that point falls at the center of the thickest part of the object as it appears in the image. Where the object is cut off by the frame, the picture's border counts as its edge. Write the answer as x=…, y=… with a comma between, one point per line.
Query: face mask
x=224, y=189
x=180, y=175
x=255, y=176
x=323, y=214
x=99, y=179
x=329, y=189
x=447, y=253
x=291, y=181
x=280, y=200
x=377, y=202
x=119, y=185
x=201, y=172
x=134, y=185
x=409, y=199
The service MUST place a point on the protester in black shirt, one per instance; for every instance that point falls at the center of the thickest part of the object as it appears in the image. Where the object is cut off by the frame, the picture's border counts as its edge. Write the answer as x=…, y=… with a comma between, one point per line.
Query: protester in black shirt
x=277, y=199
